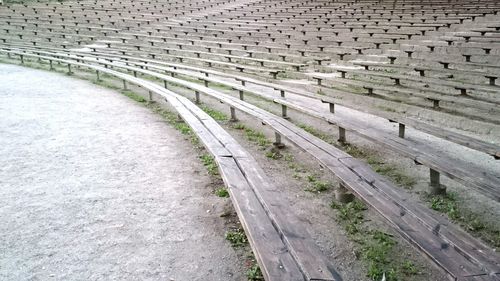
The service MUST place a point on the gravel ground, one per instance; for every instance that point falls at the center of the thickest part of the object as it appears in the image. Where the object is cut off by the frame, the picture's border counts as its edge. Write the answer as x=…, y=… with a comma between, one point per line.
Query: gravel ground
x=94, y=187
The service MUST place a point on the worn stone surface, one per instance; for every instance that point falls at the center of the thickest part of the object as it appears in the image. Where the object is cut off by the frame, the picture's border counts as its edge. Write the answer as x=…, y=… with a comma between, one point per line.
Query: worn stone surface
x=95, y=187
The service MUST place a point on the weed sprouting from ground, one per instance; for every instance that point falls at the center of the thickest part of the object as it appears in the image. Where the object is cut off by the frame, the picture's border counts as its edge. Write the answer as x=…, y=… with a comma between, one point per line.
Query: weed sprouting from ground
x=313, y=131
x=209, y=163
x=216, y=115
x=317, y=186
x=450, y=204
x=274, y=154
x=391, y=171
x=253, y=136
x=237, y=238
x=222, y=192
x=445, y=204
x=134, y=96
x=254, y=273
x=388, y=170
x=375, y=247
x=350, y=215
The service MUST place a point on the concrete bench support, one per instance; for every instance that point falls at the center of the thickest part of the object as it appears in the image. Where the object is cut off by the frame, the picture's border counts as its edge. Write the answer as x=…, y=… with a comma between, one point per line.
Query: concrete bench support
x=492, y=80
x=342, y=138
x=435, y=183
x=332, y=107
x=233, y=114
x=402, y=130
x=342, y=195
x=318, y=80
x=277, y=143
x=197, y=97
x=124, y=84
x=284, y=111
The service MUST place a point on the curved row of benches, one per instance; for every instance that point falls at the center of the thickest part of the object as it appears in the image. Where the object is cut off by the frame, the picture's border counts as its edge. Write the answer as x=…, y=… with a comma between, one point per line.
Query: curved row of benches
x=458, y=253
x=464, y=172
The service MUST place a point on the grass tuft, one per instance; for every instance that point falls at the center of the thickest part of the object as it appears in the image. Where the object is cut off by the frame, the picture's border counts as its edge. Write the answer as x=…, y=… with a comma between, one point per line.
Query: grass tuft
x=317, y=186
x=216, y=115
x=209, y=163
x=254, y=273
x=376, y=247
x=237, y=238
x=222, y=192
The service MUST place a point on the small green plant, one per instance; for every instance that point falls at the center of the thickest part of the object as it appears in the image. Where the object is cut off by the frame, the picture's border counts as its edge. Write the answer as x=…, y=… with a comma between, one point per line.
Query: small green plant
x=408, y=268
x=375, y=246
x=209, y=163
x=238, y=126
x=350, y=215
x=254, y=273
x=317, y=186
x=134, y=96
x=288, y=157
x=216, y=115
x=237, y=238
x=317, y=133
x=257, y=137
x=274, y=155
x=222, y=192
x=376, y=251
x=446, y=204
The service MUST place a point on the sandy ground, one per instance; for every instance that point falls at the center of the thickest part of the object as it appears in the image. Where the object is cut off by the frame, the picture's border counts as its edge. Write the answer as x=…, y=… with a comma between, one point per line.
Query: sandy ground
x=94, y=187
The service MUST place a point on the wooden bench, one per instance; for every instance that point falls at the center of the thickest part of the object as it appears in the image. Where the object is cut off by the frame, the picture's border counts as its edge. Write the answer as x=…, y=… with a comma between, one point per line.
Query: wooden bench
x=424, y=127
x=463, y=172
x=283, y=248
x=457, y=258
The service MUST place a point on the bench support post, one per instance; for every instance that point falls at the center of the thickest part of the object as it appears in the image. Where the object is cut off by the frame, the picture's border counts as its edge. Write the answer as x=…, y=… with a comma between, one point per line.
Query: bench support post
x=197, y=97
x=124, y=84
x=284, y=111
x=150, y=96
x=342, y=195
x=332, y=107
x=435, y=183
x=342, y=138
x=233, y=115
x=22, y=59
x=402, y=130
x=241, y=95
x=165, y=85
x=69, y=69
x=135, y=73
x=277, y=143
x=98, y=76
x=51, y=66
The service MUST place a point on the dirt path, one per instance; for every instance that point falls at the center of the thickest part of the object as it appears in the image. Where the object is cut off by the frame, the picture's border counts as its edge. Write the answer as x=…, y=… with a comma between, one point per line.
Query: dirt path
x=94, y=187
